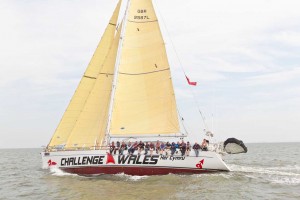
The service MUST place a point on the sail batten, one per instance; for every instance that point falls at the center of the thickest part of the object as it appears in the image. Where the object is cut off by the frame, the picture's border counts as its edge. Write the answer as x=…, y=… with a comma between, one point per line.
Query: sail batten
x=142, y=73
x=142, y=22
x=144, y=100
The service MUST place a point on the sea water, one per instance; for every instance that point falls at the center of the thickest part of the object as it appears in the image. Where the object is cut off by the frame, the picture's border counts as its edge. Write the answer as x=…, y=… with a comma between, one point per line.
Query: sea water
x=267, y=171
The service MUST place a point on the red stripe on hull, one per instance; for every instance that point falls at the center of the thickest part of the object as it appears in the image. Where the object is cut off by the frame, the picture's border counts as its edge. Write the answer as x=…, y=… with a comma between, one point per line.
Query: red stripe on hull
x=139, y=171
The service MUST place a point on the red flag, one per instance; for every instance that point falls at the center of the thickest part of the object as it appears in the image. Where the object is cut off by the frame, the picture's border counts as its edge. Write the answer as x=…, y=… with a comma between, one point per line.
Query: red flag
x=190, y=83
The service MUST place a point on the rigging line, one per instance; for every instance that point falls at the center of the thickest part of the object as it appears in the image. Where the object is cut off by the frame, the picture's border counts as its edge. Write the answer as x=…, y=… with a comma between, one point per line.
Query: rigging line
x=181, y=66
x=202, y=116
x=182, y=121
x=114, y=84
x=174, y=126
x=178, y=112
x=170, y=39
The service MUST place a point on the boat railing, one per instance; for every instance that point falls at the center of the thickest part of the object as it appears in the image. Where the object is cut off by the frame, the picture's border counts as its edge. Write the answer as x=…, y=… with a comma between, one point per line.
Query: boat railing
x=84, y=148
x=213, y=147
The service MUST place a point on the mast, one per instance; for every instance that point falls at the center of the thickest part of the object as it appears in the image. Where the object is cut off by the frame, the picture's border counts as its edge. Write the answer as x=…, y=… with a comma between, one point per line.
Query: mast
x=107, y=136
x=144, y=100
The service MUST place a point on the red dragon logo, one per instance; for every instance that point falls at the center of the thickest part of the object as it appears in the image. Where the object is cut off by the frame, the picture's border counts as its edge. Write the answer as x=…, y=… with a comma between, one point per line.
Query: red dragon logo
x=110, y=159
x=200, y=164
x=51, y=163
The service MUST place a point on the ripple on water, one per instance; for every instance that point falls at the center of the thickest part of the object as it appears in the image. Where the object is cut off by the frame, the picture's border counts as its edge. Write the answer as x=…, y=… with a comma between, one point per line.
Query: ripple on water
x=288, y=175
x=267, y=178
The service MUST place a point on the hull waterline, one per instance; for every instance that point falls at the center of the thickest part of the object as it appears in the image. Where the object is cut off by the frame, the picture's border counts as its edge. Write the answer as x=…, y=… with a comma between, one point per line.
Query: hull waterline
x=136, y=171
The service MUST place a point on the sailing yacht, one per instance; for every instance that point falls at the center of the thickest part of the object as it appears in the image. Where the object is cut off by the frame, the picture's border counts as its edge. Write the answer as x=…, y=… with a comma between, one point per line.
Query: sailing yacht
x=125, y=93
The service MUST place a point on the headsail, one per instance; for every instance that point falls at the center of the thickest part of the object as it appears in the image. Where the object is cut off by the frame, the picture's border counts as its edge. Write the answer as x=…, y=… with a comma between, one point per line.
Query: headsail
x=144, y=100
x=79, y=99
x=91, y=125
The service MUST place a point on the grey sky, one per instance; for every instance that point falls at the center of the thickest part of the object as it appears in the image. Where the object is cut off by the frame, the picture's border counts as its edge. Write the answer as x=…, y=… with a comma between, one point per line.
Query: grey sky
x=245, y=56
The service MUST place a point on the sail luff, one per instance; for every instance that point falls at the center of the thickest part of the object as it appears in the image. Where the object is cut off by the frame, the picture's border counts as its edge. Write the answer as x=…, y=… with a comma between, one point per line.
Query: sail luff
x=107, y=134
x=86, y=84
x=144, y=98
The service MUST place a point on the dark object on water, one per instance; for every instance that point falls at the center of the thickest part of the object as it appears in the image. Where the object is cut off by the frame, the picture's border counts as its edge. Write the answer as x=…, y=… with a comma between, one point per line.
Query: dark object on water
x=234, y=146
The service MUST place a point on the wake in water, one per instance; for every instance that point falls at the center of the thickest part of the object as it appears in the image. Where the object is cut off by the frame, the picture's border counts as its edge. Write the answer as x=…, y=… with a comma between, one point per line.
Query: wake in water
x=123, y=177
x=288, y=175
x=58, y=172
x=130, y=177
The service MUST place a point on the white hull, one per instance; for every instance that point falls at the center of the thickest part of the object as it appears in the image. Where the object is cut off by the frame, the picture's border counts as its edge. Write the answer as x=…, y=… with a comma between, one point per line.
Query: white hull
x=95, y=162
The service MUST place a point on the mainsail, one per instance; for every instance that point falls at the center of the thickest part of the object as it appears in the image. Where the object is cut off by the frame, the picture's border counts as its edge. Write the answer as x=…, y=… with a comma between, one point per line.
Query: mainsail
x=69, y=122
x=144, y=101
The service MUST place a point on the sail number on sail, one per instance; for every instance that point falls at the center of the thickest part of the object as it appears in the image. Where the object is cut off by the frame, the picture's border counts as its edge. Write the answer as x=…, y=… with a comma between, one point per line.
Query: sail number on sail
x=141, y=11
